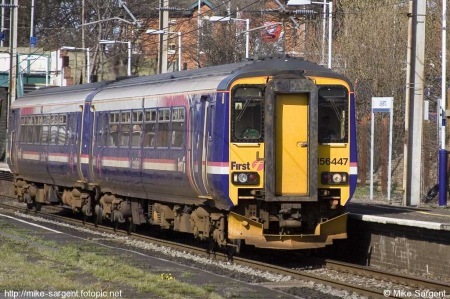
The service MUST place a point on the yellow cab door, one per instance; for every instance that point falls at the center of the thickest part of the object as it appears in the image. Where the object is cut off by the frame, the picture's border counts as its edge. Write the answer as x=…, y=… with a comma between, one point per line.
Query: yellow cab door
x=291, y=143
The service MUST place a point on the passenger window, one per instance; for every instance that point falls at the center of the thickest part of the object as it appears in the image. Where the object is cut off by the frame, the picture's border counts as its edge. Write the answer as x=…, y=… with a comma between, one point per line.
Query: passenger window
x=163, y=134
x=149, y=128
x=136, y=136
x=113, y=129
x=177, y=139
x=125, y=135
x=53, y=134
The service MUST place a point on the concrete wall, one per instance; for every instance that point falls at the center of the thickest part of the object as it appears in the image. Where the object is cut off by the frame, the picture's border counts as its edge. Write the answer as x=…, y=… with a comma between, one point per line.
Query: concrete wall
x=392, y=247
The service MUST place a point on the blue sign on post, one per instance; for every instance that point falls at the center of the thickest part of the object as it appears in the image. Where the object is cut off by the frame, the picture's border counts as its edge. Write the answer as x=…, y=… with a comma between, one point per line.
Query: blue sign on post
x=33, y=41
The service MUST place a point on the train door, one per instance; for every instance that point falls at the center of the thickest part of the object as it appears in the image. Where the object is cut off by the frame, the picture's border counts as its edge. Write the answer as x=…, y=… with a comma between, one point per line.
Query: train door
x=290, y=125
x=291, y=143
x=197, y=159
x=84, y=143
x=14, y=142
x=72, y=141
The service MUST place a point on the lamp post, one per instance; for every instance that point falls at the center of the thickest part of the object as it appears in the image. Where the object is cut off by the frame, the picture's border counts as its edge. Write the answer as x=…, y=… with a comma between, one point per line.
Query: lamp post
x=88, y=64
x=155, y=31
x=247, y=28
x=442, y=117
x=330, y=23
x=129, y=50
x=330, y=28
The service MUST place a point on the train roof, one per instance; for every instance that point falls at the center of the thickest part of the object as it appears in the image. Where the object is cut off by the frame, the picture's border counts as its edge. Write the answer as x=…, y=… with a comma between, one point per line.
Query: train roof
x=263, y=66
x=218, y=77
x=211, y=78
x=57, y=95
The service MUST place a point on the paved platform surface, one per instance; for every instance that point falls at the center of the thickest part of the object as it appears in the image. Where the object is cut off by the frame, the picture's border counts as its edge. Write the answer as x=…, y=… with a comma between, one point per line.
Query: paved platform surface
x=384, y=212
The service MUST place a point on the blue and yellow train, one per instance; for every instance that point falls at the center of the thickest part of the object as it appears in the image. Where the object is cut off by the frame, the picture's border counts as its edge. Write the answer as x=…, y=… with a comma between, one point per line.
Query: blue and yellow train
x=261, y=151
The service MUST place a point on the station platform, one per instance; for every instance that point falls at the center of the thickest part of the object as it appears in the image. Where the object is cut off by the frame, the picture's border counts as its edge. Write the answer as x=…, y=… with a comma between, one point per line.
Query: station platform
x=435, y=218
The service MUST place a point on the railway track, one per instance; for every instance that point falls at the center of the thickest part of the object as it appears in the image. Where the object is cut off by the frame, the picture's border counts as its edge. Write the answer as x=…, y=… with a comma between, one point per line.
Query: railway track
x=52, y=213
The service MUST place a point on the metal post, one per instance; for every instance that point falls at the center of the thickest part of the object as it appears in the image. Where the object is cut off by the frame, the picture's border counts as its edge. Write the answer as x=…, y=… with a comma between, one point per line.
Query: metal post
x=47, y=72
x=3, y=21
x=391, y=121
x=179, y=50
x=372, y=128
x=13, y=49
x=199, y=25
x=88, y=66
x=129, y=58
x=32, y=20
x=163, y=25
x=330, y=31
x=324, y=18
x=443, y=152
x=247, y=37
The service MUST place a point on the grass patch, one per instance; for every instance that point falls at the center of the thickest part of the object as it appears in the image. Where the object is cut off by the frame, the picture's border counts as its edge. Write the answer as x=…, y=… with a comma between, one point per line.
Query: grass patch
x=32, y=263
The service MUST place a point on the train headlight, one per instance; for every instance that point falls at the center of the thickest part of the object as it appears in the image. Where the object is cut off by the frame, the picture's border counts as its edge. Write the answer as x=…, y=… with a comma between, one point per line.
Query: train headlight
x=242, y=178
x=245, y=178
x=334, y=178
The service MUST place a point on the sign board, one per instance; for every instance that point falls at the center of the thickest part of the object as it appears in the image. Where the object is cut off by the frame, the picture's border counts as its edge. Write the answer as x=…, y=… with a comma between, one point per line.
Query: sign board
x=382, y=104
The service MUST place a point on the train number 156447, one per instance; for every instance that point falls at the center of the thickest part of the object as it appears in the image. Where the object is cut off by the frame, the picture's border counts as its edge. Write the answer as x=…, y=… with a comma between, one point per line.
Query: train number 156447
x=333, y=161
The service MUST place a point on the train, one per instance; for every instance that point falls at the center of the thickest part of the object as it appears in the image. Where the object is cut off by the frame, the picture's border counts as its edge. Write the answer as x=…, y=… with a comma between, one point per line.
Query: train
x=260, y=152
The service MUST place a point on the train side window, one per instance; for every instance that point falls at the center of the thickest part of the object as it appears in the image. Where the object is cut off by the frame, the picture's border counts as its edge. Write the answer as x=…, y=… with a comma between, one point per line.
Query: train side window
x=333, y=114
x=45, y=129
x=162, y=137
x=53, y=134
x=62, y=135
x=101, y=130
x=23, y=129
x=137, y=128
x=113, y=135
x=136, y=136
x=178, y=115
x=37, y=128
x=62, y=129
x=29, y=130
x=113, y=131
x=125, y=129
x=44, y=134
x=53, y=129
x=72, y=128
x=149, y=128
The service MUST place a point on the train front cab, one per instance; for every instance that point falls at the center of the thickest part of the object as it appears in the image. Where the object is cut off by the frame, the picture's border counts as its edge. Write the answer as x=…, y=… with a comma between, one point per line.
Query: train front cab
x=276, y=182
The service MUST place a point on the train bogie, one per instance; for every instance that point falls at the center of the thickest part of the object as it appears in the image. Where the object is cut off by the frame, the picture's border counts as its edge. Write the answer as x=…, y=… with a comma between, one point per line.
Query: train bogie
x=235, y=153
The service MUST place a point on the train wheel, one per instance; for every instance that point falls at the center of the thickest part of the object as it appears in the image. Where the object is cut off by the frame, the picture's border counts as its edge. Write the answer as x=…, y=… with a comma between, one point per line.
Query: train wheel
x=211, y=247
x=98, y=215
x=116, y=225
x=29, y=201
x=130, y=226
x=116, y=218
x=233, y=248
